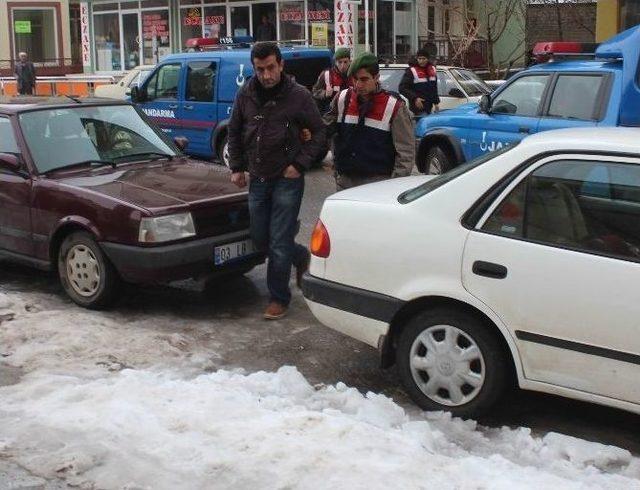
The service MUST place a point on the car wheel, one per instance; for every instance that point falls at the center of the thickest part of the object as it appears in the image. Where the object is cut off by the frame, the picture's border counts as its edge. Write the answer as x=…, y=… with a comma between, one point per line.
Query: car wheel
x=437, y=161
x=449, y=360
x=223, y=152
x=86, y=274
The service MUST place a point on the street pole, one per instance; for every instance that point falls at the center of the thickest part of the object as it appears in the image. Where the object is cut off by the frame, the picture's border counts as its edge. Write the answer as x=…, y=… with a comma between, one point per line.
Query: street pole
x=366, y=25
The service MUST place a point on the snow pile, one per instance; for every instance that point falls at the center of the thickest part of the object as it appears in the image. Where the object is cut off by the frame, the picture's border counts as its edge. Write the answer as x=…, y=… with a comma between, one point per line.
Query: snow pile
x=166, y=427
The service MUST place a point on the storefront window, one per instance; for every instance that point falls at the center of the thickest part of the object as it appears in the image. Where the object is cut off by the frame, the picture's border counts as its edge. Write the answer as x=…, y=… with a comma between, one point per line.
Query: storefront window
x=240, y=20
x=321, y=23
x=629, y=14
x=104, y=7
x=155, y=32
x=385, y=29
x=215, y=20
x=106, y=30
x=292, y=20
x=403, y=28
x=190, y=24
x=362, y=24
x=35, y=33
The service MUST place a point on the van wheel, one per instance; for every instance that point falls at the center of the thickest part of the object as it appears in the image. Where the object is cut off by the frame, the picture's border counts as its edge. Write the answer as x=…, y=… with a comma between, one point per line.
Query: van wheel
x=437, y=161
x=86, y=274
x=449, y=360
x=223, y=151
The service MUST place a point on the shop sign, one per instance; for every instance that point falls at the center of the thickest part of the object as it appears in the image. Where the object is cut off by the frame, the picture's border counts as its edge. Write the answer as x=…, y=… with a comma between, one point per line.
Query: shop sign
x=319, y=15
x=344, y=24
x=154, y=25
x=193, y=18
x=320, y=34
x=84, y=34
x=22, y=26
x=214, y=19
x=292, y=16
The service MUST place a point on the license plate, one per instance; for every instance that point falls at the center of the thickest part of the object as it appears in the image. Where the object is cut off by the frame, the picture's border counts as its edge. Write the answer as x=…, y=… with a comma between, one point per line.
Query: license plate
x=232, y=251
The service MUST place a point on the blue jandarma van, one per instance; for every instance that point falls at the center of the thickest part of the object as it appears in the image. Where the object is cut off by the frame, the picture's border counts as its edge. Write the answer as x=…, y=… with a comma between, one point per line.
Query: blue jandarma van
x=191, y=94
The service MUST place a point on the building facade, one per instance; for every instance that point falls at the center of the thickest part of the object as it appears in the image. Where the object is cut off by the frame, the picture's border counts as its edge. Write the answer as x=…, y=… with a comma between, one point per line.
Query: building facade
x=41, y=28
x=614, y=16
x=123, y=34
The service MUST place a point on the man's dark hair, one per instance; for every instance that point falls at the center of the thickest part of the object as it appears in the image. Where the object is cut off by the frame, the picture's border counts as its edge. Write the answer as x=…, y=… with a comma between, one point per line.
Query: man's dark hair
x=265, y=49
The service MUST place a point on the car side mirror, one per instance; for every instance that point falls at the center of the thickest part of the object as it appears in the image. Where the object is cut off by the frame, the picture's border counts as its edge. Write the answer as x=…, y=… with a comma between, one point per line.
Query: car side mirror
x=10, y=161
x=456, y=92
x=138, y=94
x=485, y=104
x=181, y=142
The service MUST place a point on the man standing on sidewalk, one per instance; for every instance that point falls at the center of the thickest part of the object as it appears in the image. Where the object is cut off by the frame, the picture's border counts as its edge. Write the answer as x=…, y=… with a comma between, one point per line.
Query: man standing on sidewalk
x=333, y=80
x=373, y=130
x=420, y=85
x=269, y=114
x=25, y=73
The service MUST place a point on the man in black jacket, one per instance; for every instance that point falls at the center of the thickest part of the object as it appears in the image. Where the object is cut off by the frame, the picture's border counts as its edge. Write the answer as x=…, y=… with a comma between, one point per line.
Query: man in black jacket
x=25, y=74
x=269, y=114
x=420, y=85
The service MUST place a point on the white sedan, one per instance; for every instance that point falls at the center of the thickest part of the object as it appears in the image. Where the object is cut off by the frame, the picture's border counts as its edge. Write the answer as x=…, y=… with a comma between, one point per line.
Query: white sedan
x=522, y=265
x=122, y=89
x=456, y=85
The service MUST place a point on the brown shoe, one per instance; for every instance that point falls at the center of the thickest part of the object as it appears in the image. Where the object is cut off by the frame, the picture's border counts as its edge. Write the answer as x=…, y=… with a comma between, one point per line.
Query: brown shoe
x=275, y=311
x=302, y=268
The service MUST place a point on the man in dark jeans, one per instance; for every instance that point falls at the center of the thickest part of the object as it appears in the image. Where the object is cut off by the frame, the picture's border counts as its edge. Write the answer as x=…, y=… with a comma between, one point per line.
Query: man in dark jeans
x=269, y=114
x=25, y=74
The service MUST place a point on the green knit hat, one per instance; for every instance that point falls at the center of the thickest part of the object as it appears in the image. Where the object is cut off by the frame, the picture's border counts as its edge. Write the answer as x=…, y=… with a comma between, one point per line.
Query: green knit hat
x=342, y=53
x=363, y=60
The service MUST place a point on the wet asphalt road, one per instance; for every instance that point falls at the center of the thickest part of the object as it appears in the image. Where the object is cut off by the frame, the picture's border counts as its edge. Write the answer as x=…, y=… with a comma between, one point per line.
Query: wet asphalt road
x=231, y=313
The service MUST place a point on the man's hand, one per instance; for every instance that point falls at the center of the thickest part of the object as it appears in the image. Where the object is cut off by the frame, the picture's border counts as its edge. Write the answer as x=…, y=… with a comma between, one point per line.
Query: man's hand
x=329, y=92
x=305, y=135
x=420, y=103
x=291, y=173
x=239, y=179
x=436, y=108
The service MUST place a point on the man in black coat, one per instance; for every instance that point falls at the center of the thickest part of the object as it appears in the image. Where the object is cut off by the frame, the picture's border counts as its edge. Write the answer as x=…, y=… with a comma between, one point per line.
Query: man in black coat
x=25, y=73
x=269, y=114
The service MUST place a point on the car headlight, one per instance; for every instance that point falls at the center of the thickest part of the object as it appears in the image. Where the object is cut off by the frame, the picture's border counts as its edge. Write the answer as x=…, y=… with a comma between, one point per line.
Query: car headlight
x=166, y=228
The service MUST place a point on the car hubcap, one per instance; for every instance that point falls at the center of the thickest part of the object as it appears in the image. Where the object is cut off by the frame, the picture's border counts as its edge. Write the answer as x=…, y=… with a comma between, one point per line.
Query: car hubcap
x=225, y=154
x=447, y=365
x=435, y=166
x=83, y=270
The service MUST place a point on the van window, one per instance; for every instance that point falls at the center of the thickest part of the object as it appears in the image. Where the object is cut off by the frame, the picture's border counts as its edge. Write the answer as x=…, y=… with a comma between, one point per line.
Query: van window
x=201, y=81
x=163, y=84
x=522, y=97
x=306, y=70
x=576, y=97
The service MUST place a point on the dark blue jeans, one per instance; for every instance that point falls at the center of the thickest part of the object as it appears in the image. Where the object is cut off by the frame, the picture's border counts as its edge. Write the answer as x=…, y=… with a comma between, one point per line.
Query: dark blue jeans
x=273, y=208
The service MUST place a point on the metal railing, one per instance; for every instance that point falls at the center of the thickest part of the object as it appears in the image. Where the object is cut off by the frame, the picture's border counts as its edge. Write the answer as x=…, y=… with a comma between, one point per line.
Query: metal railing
x=457, y=51
x=47, y=67
x=77, y=85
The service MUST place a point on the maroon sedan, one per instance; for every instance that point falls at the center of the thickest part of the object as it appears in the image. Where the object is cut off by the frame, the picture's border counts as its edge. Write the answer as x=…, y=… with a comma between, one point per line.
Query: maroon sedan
x=90, y=189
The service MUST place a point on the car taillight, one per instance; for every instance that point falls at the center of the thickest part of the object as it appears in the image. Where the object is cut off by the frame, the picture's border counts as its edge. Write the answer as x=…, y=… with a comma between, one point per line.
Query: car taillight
x=320, y=243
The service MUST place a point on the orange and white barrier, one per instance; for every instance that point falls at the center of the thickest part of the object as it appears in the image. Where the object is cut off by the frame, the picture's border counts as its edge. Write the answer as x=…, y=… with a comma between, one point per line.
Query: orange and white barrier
x=80, y=86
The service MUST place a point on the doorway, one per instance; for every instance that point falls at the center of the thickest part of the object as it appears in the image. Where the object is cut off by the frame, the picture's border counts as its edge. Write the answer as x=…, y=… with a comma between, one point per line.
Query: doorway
x=264, y=21
x=130, y=40
x=240, y=20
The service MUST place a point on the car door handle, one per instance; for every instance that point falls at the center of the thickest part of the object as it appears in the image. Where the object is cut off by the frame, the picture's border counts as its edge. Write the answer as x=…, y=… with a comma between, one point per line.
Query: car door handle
x=489, y=269
x=188, y=107
x=524, y=129
x=173, y=106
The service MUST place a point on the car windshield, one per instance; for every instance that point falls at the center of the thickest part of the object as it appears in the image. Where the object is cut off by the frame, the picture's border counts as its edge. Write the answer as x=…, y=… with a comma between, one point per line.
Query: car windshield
x=63, y=137
x=390, y=78
x=440, y=180
x=472, y=84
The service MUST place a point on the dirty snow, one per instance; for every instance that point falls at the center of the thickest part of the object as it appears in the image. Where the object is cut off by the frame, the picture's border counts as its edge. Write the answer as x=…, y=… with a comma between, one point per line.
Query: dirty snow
x=113, y=403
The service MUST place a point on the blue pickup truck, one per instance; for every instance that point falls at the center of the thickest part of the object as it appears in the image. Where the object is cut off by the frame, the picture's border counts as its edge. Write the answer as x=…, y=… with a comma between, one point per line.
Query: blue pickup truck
x=191, y=94
x=600, y=89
